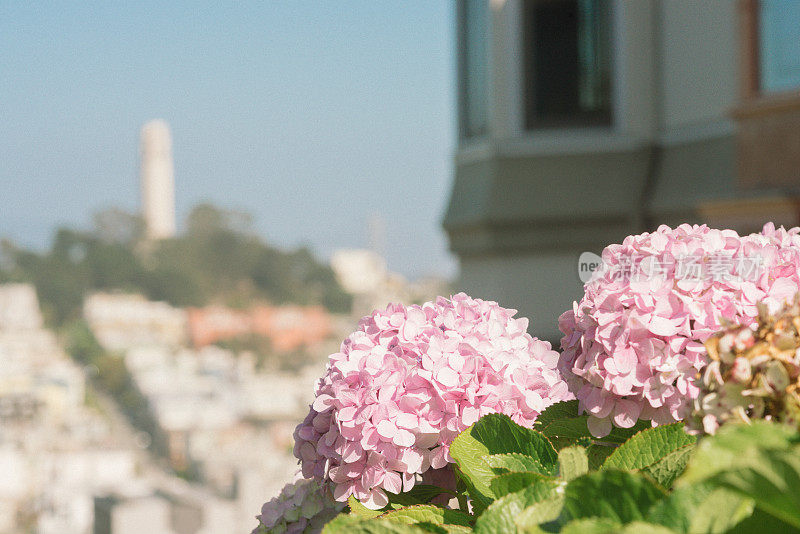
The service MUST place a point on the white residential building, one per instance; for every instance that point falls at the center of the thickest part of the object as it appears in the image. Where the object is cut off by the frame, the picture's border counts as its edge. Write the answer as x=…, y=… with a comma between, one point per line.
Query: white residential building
x=124, y=321
x=581, y=122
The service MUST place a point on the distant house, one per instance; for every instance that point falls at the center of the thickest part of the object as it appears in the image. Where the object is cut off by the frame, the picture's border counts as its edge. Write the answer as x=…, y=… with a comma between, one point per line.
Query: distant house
x=583, y=121
x=288, y=327
x=122, y=321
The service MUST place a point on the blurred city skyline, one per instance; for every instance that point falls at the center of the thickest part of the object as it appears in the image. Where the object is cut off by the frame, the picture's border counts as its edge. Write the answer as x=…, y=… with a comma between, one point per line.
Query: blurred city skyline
x=311, y=118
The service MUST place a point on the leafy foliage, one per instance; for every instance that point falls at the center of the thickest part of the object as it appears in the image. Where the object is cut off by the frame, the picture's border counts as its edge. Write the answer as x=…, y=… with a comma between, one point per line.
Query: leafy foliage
x=619, y=495
x=500, y=516
x=422, y=513
x=515, y=462
x=662, y=452
x=760, y=461
x=496, y=434
x=563, y=426
x=572, y=462
x=513, y=482
x=657, y=480
x=701, y=508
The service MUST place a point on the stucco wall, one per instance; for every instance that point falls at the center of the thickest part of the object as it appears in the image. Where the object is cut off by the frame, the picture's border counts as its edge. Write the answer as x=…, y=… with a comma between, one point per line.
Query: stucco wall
x=698, y=58
x=527, y=203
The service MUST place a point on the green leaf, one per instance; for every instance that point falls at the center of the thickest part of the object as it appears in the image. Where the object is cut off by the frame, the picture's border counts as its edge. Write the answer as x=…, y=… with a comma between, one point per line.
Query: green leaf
x=597, y=455
x=512, y=482
x=353, y=524
x=621, y=435
x=443, y=529
x=720, y=511
x=760, y=522
x=773, y=482
x=735, y=445
x=554, y=412
x=540, y=512
x=495, y=434
x=677, y=509
x=341, y=524
x=572, y=462
x=701, y=509
x=652, y=449
x=500, y=516
x=670, y=466
x=611, y=493
x=599, y=525
x=569, y=431
x=760, y=461
x=592, y=525
x=640, y=527
x=361, y=511
x=515, y=462
x=419, y=494
x=499, y=434
x=425, y=513
x=565, y=432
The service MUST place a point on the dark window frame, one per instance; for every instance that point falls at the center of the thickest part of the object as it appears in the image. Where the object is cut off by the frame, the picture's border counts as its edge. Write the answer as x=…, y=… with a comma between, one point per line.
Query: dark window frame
x=533, y=118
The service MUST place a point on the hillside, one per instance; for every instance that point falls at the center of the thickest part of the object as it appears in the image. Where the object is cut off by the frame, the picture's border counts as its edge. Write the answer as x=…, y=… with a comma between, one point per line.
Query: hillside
x=218, y=259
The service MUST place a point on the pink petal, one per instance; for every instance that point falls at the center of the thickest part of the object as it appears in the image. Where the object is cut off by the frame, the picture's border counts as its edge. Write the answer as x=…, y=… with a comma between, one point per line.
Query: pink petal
x=456, y=361
x=447, y=377
x=342, y=491
x=626, y=413
x=403, y=438
x=625, y=360
x=352, y=452
x=470, y=414
x=387, y=429
x=346, y=414
x=599, y=428
x=322, y=403
x=392, y=482
x=371, y=438
x=662, y=327
x=376, y=499
x=407, y=420
x=438, y=457
x=783, y=289
x=412, y=459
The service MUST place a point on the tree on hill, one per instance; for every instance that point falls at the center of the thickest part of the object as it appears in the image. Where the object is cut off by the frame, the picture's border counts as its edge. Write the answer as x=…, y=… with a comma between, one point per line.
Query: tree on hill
x=219, y=259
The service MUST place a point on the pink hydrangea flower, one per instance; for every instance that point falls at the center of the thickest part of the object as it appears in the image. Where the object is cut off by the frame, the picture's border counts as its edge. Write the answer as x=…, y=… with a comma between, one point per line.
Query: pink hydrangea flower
x=303, y=506
x=408, y=381
x=634, y=343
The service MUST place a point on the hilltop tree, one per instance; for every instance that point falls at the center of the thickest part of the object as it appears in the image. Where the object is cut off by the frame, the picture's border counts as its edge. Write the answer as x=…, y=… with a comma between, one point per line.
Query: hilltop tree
x=219, y=259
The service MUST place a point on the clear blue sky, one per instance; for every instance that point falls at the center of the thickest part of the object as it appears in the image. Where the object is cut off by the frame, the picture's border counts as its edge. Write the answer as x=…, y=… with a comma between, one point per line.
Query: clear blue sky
x=309, y=115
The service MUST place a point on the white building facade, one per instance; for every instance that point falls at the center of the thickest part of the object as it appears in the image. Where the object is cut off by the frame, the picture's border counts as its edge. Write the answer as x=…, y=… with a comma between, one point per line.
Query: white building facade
x=583, y=121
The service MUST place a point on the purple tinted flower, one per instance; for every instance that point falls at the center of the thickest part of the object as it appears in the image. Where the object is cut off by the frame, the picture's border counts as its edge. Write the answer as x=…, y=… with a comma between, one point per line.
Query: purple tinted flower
x=303, y=506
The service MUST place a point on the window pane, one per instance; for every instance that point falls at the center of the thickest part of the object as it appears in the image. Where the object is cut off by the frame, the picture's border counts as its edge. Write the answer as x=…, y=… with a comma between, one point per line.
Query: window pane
x=474, y=68
x=568, y=62
x=780, y=45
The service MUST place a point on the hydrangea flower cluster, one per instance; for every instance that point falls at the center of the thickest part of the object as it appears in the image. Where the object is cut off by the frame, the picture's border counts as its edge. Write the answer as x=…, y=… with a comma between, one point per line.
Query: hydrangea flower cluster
x=408, y=380
x=753, y=374
x=303, y=506
x=633, y=345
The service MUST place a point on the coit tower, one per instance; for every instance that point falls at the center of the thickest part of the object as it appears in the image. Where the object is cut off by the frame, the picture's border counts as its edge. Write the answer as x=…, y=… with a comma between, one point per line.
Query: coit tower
x=158, y=182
